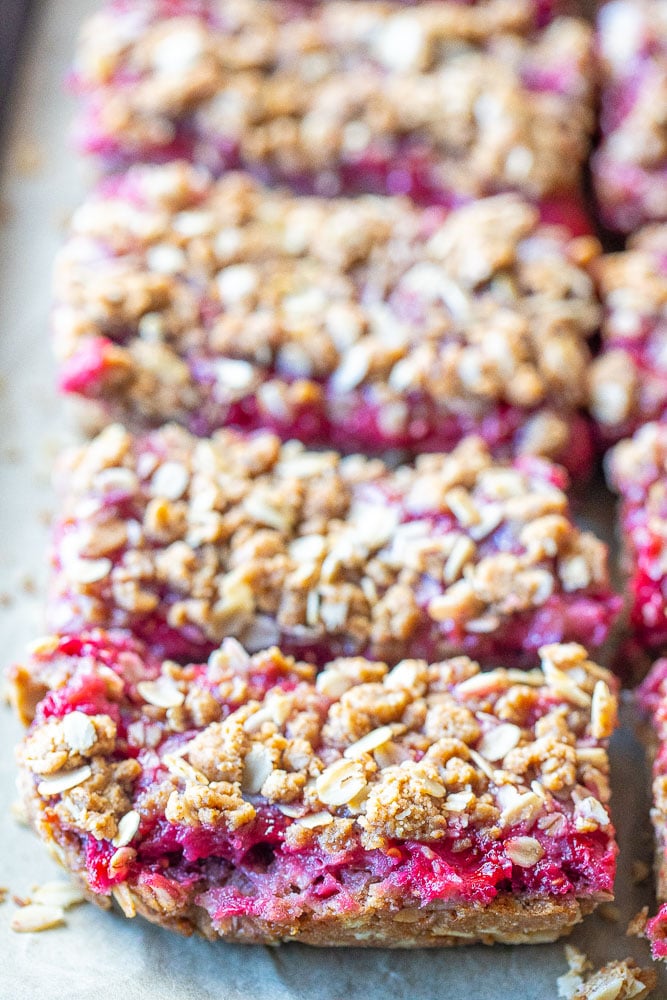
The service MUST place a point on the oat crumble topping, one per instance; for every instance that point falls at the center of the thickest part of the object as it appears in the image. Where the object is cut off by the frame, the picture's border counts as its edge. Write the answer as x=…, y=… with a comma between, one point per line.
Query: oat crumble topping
x=312, y=93
x=352, y=755
x=187, y=541
x=370, y=320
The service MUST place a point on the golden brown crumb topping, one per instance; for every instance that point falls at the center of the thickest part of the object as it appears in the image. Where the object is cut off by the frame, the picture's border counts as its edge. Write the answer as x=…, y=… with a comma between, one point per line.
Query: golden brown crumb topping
x=257, y=540
x=305, y=91
x=484, y=305
x=357, y=749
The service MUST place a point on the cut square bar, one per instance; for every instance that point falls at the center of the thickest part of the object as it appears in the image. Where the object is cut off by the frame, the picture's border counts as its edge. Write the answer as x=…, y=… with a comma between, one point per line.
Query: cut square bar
x=442, y=101
x=630, y=166
x=361, y=325
x=653, y=698
x=246, y=799
x=184, y=542
x=637, y=470
x=628, y=382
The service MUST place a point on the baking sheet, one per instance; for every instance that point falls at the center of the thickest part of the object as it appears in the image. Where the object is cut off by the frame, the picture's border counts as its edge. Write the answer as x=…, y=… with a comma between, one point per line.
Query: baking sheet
x=97, y=953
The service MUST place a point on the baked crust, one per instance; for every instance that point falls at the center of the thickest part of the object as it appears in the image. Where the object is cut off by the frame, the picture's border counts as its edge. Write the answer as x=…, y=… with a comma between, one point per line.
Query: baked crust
x=365, y=324
x=342, y=95
x=247, y=799
x=184, y=541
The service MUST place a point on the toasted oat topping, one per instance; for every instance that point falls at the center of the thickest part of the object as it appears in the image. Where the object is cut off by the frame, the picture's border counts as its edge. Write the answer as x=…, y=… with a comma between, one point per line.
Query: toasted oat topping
x=269, y=542
x=213, y=293
x=370, y=762
x=309, y=91
x=627, y=380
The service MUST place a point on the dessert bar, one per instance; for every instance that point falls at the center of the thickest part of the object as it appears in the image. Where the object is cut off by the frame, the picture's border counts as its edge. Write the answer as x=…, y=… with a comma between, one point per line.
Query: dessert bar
x=442, y=101
x=185, y=541
x=628, y=380
x=361, y=325
x=653, y=698
x=247, y=799
x=630, y=166
x=637, y=470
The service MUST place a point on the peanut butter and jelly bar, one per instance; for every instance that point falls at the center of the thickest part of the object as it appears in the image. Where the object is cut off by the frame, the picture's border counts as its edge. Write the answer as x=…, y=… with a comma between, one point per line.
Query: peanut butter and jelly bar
x=362, y=324
x=443, y=101
x=630, y=167
x=249, y=799
x=185, y=541
x=628, y=381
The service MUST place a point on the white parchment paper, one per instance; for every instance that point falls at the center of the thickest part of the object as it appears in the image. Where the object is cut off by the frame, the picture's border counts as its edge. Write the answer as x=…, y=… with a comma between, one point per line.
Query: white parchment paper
x=103, y=955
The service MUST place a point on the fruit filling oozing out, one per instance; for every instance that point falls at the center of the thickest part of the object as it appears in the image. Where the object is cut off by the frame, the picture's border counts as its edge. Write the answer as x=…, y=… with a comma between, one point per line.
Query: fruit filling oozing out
x=628, y=380
x=630, y=166
x=185, y=541
x=442, y=101
x=248, y=788
x=653, y=698
x=636, y=469
x=361, y=325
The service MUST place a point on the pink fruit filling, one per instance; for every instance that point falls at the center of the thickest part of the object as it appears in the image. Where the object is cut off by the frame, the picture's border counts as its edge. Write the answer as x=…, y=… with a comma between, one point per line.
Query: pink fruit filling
x=279, y=864
x=146, y=571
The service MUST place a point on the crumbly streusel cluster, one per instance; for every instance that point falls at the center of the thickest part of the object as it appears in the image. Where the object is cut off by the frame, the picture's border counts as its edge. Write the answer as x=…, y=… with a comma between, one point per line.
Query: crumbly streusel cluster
x=419, y=752
x=215, y=292
x=261, y=540
x=306, y=91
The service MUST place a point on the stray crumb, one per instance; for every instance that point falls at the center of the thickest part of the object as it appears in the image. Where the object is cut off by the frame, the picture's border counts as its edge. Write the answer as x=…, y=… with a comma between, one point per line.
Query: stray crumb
x=58, y=893
x=28, y=157
x=28, y=585
x=5, y=600
x=35, y=917
x=609, y=912
x=19, y=814
x=637, y=924
x=623, y=980
x=3, y=893
x=639, y=872
x=45, y=517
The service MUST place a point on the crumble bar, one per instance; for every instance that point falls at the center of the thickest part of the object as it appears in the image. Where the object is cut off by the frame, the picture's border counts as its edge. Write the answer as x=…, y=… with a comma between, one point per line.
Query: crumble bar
x=652, y=696
x=247, y=798
x=630, y=166
x=636, y=469
x=362, y=325
x=628, y=381
x=186, y=541
x=442, y=101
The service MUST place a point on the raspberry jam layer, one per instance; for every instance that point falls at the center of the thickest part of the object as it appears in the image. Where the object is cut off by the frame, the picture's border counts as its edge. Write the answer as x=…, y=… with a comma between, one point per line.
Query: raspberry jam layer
x=283, y=808
x=183, y=541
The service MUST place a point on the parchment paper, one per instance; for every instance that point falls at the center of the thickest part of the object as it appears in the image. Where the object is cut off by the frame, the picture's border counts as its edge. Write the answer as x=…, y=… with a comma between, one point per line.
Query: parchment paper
x=99, y=954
